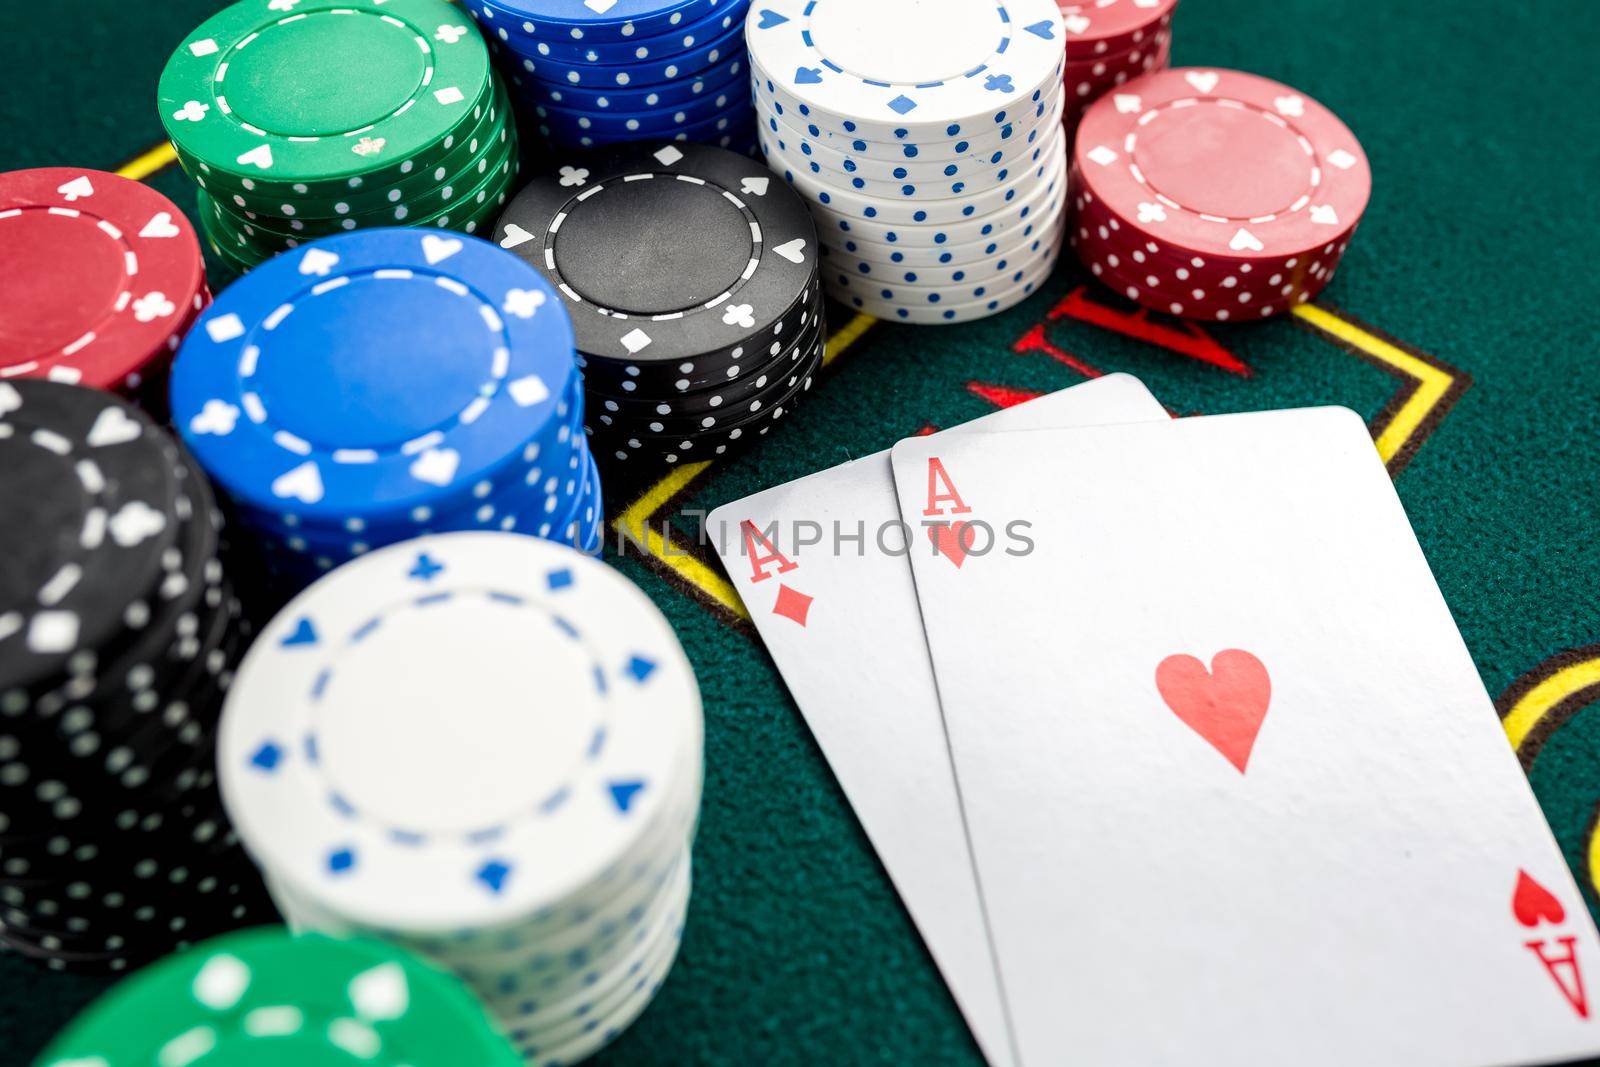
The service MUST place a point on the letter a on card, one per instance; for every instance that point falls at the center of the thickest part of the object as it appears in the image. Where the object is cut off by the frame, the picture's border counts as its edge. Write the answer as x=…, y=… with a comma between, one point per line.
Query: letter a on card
x=790, y=603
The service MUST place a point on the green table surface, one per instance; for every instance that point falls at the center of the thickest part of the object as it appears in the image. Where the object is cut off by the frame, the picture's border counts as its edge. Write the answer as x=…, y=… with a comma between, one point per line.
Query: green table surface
x=1462, y=324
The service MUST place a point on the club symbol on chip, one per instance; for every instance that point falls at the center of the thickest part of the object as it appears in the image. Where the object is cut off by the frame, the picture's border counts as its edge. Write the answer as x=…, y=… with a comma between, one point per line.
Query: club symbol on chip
x=318, y=261
x=152, y=306
x=217, y=417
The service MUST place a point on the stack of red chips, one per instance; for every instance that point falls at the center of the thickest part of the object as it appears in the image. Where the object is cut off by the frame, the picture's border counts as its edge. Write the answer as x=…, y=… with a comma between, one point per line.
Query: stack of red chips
x=104, y=276
x=1214, y=194
x=1110, y=42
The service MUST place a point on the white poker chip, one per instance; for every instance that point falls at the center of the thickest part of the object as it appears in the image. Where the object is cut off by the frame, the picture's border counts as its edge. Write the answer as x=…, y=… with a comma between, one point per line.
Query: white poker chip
x=849, y=157
x=850, y=276
x=974, y=251
x=1020, y=245
x=847, y=274
x=835, y=155
x=1029, y=207
x=1030, y=122
x=825, y=192
x=956, y=188
x=895, y=70
x=451, y=733
x=932, y=308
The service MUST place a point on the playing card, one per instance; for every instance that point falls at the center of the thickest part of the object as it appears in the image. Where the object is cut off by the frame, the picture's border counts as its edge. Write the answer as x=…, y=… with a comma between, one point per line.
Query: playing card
x=842, y=625
x=1234, y=788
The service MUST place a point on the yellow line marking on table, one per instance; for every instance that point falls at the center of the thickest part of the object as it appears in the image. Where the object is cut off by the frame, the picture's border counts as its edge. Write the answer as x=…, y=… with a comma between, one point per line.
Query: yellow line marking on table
x=149, y=162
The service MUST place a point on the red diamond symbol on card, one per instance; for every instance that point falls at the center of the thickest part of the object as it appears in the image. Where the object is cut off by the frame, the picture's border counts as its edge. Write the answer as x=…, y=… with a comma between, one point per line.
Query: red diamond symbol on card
x=792, y=604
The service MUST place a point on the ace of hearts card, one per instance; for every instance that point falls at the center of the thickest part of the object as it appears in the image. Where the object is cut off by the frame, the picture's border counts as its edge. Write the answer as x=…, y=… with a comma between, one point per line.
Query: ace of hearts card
x=1234, y=788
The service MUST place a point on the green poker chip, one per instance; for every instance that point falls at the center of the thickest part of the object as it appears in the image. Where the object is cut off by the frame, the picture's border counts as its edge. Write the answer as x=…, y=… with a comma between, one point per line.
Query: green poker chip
x=321, y=97
x=267, y=998
x=227, y=247
x=486, y=176
x=247, y=243
x=492, y=127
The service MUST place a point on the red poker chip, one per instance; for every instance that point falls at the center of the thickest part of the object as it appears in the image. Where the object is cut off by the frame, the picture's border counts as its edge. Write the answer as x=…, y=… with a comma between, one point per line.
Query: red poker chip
x=1223, y=164
x=1091, y=218
x=1128, y=59
x=1086, y=81
x=1096, y=27
x=1207, y=293
x=1183, y=291
x=1194, y=286
x=147, y=386
x=108, y=271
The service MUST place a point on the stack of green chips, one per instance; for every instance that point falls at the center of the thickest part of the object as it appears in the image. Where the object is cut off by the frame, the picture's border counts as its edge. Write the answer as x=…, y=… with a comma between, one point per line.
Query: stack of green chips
x=266, y=997
x=307, y=119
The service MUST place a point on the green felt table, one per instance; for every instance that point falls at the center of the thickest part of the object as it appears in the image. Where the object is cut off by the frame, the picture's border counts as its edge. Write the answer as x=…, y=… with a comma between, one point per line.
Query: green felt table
x=1462, y=325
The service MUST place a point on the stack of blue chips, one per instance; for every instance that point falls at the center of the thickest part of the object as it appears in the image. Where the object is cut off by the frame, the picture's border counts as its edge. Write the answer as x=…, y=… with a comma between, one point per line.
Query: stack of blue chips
x=370, y=387
x=588, y=73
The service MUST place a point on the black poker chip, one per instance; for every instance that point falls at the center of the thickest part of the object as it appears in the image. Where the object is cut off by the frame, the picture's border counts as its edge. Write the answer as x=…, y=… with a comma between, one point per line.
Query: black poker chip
x=665, y=251
x=688, y=272
x=692, y=374
x=707, y=409
x=119, y=636
x=687, y=390
x=704, y=443
x=99, y=490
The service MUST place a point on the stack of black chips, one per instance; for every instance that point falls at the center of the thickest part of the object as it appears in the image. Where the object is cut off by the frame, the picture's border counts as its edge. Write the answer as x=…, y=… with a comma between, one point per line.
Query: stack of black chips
x=690, y=273
x=119, y=634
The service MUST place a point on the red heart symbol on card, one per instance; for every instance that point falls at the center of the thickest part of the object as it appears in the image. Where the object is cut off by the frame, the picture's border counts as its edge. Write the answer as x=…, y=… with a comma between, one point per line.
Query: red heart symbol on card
x=950, y=540
x=1533, y=904
x=1225, y=705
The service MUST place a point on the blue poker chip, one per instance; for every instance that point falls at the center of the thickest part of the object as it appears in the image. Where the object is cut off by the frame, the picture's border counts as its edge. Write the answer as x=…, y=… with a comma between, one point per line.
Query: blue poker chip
x=655, y=71
x=728, y=130
x=545, y=479
x=661, y=120
x=527, y=35
x=576, y=20
x=372, y=374
x=725, y=116
x=732, y=70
